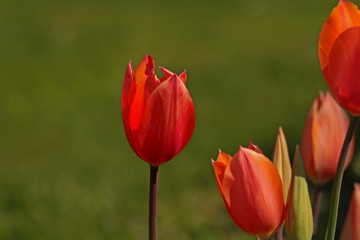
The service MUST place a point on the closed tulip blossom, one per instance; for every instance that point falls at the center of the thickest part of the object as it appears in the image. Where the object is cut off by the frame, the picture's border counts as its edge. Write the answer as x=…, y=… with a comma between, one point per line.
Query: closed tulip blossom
x=252, y=191
x=339, y=54
x=323, y=137
x=351, y=228
x=159, y=119
x=158, y=114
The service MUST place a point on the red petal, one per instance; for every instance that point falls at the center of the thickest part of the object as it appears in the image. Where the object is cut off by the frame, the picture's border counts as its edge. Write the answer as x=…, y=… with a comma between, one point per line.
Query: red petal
x=167, y=123
x=127, y=86
x=127, y=92
x=253, y=190
x=138, y=102
x=151, y=83
x=344, y=16
x=343, y=76
x=169, y=73
x=183, y=77
x=255, y=148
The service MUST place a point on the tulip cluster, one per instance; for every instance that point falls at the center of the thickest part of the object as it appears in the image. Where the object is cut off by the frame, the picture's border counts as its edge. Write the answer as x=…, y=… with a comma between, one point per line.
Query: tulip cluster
x=253, y=190
x=260, y=195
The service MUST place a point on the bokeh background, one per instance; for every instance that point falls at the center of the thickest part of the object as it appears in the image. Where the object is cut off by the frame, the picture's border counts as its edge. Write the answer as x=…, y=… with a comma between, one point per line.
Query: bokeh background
x=67, y=171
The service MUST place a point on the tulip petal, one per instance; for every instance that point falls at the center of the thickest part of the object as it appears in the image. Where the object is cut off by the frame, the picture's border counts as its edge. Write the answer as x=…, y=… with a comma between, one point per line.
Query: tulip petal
x=343, y=74
x=254, y=147
x=329, y=126
x=127, y=87
x=351, y=228
x=151, y=83
x=258, y=202
x=138, y=91
x=168, y=121
x=169, y=73
x=220, y=165
x=126, y=95
x=344, y=16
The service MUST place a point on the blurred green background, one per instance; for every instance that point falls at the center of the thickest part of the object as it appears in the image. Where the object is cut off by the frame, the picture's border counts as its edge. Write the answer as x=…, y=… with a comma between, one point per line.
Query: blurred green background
x=67, y=171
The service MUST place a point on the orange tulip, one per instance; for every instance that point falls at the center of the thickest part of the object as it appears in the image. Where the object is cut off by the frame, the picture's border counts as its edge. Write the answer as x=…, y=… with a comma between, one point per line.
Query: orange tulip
x=339, y=53
x=158, y=114
x=252, y=191
x=323, y=137
x=351, y=229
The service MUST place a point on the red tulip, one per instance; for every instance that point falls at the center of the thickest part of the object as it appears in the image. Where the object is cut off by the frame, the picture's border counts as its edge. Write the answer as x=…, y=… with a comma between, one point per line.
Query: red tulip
x=339, y=53
x=324, y=134
x=351, y=229
x=158, y=114
x=252, y=191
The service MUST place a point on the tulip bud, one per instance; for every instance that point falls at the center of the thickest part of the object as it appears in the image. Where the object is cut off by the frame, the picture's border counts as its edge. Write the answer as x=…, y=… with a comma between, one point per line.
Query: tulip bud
x=299, y=218
x=324, y=133
x=339, y=55
x=282, y=161
x=351, y=228
x=252, y=191
x=158, y=114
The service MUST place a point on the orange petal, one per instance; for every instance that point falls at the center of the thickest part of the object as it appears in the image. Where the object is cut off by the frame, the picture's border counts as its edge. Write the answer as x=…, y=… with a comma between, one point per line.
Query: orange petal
x=253, y=191
x=351, y=228
x=324, y=133
x=167, y=123
x=344, y=16
x=343, y=71
x=137, y=98
x=220, y=165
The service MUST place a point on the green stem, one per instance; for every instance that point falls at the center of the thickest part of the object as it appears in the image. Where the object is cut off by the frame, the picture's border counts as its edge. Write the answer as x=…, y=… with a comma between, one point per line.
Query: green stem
x=335, y=195
x=153, y=201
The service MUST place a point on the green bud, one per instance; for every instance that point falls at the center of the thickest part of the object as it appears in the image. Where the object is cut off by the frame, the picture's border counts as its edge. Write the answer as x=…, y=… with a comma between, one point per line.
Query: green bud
x=281, y=161
x=299, y=218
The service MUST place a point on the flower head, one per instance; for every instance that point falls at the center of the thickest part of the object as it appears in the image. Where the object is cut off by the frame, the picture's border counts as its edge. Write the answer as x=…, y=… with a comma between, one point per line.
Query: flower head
x=339, y=53
x=324, y=134
x=252, y=191
x=158, y=114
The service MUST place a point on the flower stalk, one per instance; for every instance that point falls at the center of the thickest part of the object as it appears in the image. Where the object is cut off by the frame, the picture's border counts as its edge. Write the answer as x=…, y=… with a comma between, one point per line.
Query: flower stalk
x=317, y=205
x=153, y=201
x=335, y=195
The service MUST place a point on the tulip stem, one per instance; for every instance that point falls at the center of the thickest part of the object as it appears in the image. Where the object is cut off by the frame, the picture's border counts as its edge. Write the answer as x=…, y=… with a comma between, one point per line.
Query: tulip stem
x=335, y=195
x=153, y=201
x=316, y=205
x=279, y=234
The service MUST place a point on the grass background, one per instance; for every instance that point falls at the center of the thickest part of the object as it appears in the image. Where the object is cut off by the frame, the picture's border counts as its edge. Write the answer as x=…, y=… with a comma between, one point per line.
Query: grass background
x=67, y=171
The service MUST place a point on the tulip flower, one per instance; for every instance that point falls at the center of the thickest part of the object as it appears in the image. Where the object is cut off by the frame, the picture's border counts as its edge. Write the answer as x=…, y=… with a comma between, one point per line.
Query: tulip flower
x=159, y=119
x=252, y=191
x=158, y=114
x=299, y=218
x=339, y=55
x=324, y=133
x=351, y=228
